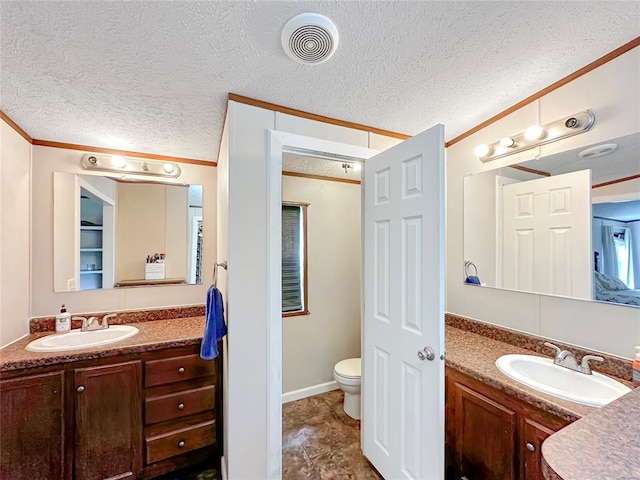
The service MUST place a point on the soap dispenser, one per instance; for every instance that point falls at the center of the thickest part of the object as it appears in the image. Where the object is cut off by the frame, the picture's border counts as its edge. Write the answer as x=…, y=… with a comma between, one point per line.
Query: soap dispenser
x=63, y=320
x=636, y=368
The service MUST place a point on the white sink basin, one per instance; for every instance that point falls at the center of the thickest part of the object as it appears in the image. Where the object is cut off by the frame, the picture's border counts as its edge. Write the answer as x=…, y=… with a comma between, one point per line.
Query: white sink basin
x=540, y=373
x=75, y=339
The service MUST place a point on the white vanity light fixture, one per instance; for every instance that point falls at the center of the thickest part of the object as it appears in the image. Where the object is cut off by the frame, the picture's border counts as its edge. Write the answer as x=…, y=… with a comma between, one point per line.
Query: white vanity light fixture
x=537, y=135
x=483, y=150
x=129, y=166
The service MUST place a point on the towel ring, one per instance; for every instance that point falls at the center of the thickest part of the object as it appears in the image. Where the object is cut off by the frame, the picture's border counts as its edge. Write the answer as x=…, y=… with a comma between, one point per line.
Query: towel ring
x=215, y=271
x=468, y=264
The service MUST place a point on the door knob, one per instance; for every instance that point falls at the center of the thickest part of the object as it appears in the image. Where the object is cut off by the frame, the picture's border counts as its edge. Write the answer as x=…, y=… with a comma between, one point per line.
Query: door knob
x=80, y=389
x=427, y=353
x=530, y=447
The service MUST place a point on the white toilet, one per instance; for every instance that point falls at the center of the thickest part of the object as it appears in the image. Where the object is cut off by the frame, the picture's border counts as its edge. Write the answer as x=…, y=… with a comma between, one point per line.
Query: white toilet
x=347, y=374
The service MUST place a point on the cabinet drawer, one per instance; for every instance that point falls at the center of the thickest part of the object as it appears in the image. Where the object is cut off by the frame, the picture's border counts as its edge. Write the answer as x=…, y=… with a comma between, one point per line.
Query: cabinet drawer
x=179, y=441
x=179, y=404
x=176, y=369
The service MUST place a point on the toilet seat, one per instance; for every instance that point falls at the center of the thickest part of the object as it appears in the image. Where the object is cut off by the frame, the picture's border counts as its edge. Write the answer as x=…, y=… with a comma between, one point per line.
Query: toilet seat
x=349, y=369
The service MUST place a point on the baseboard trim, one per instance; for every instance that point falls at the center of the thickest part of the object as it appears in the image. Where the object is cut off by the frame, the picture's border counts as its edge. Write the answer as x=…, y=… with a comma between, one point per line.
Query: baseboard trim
x=223, y=468
x=309, y=391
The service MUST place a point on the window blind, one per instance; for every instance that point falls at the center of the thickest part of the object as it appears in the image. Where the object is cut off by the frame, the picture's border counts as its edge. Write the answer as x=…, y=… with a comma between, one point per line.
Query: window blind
x=292, y=288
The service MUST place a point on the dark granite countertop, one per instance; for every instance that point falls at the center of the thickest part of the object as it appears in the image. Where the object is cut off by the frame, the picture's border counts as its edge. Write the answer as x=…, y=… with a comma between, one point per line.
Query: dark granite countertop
x=604, y=445
x=601, y=443
x=475, y=355
x=153, y=335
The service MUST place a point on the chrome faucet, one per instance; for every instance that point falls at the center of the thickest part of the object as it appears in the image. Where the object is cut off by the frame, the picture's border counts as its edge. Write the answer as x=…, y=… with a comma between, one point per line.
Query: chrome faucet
x=87, y=322
x=105, y=319
x=566, y=359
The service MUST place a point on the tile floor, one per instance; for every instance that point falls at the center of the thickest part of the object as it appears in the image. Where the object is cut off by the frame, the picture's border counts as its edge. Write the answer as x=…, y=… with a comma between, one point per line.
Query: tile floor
x=320, y=442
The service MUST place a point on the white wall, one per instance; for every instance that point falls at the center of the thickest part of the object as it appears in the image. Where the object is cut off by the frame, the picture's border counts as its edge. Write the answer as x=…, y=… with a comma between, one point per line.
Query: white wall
x=612, y=93
x=617, y=192
x=44, y=301
x=249, y=393
x=152, y=218
x=332, y=331
x=15, y=208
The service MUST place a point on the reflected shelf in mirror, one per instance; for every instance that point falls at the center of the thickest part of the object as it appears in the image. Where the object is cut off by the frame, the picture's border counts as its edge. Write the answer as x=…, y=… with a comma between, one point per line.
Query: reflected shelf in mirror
x=105, y=228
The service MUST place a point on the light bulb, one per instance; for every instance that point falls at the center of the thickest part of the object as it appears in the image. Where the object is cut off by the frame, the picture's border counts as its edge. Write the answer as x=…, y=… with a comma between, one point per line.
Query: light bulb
x=118, y=161
x=356, y=167
x=533, y=133
x=507, y=142
x=482, y=150
x=168, y=167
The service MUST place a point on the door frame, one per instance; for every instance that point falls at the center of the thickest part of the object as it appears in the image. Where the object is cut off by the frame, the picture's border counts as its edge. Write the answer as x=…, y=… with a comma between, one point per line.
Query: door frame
x=277, y=143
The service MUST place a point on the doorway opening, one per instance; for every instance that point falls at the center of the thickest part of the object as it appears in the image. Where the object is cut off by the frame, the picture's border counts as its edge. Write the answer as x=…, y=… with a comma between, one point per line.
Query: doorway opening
x=330, y=154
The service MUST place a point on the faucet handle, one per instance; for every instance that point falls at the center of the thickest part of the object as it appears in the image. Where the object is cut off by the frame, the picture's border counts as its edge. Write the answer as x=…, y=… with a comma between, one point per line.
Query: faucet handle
x=585, y=367
x=555, y=347
x=105, y=319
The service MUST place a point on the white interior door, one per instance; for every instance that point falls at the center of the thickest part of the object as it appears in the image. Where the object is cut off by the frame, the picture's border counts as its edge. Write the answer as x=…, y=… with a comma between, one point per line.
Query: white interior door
x=403, y=268
x=547, y=235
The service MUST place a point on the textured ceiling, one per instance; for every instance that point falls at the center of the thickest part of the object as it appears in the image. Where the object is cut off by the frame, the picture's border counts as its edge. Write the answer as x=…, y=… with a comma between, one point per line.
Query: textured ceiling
x=153, y=76
x=623, y=162
x=292, y=162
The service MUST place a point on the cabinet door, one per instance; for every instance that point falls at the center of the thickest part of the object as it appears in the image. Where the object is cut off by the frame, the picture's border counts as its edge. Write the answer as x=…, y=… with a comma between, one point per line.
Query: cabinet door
x=108, y=422
x=533, y=434
x=486, y=437
x=31, y=416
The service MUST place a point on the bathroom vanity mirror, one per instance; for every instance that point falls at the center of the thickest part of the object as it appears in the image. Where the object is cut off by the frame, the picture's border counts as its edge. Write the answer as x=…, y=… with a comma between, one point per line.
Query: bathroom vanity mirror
x=112, y=233
x=567, y=224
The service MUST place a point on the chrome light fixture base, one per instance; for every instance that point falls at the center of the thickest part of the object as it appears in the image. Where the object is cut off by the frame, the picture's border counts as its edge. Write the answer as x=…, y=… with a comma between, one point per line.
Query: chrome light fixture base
x=129, y=166
x=537, y=135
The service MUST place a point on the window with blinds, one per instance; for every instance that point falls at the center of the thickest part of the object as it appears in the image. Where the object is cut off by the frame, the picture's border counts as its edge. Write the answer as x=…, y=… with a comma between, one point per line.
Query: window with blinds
x=294, y=277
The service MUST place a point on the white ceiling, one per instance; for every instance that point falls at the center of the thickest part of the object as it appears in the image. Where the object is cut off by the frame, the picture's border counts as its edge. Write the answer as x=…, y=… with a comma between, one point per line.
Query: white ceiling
x=154, y=76
x=620, y=211
x=623, y=162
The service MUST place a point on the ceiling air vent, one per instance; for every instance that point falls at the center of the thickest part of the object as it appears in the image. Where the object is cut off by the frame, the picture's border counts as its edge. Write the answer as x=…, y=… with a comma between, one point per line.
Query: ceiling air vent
x=309, y=38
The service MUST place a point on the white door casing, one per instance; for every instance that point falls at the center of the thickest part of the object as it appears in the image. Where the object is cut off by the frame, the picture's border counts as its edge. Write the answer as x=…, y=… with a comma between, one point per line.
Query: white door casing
x=547, y=235
x=403, y=308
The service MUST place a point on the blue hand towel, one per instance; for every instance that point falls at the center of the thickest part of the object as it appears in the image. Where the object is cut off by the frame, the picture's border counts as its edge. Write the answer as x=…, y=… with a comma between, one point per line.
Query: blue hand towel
x=214, y=326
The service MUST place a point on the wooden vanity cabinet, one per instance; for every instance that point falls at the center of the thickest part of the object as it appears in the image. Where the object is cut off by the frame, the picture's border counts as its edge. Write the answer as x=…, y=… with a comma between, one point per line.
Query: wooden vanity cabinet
x=108, y=421
x=491, y=435
x=128, y=417
x=32, y=423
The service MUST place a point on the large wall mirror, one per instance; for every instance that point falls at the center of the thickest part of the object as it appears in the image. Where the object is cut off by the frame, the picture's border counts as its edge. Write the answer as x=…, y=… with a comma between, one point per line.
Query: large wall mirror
x=114, y=233
x=567, y=224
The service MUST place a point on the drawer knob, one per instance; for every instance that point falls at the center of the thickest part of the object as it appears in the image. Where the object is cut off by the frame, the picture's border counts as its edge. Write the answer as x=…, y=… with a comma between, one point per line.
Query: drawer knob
x=80, y=389
x=181, y=406
x=181, y=370
x=530, y=447
x=181, y=444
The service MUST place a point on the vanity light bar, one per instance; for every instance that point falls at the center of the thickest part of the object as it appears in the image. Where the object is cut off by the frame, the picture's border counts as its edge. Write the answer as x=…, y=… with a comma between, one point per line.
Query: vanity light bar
x=129, y=166
x=537, y=135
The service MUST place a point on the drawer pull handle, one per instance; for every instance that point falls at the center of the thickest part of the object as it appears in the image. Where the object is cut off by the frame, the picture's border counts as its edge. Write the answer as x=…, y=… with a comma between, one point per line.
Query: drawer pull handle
x=181, y=444
x=80, y=389
x=181, y=370
x=530, y=447
x=181, y=406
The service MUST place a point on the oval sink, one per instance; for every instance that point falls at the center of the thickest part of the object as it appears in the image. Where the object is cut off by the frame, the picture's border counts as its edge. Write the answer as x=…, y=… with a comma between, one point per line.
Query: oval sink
x=540, y=373
x=75, y=339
